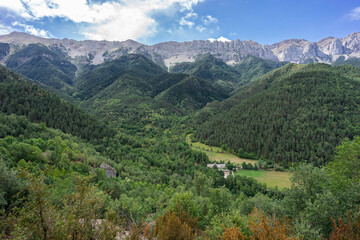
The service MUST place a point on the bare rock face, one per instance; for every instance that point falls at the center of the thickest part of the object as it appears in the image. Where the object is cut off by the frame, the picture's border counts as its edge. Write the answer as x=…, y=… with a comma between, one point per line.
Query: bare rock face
x=331, y=46
x=110, y=171
x=299, y=51
x=174, y=52
x=352, y=44
x=80, y=52
x=170, y=53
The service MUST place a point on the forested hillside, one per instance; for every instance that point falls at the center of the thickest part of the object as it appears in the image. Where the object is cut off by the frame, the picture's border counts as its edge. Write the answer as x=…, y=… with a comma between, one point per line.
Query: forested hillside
x=192, y=94
x=118, y=164
x=102, y=76
x=62, y=176
x=224, y=76
x=212, y=69
x=18, y=96
x=350, y=61
x=57, y=181
x=252, y=68
x=46, y=66
x=296, y=113
x=4, y=50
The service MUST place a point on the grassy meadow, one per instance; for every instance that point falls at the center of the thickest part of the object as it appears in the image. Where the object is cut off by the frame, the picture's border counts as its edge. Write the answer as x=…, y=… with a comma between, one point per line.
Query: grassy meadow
x=216, y=154
x=271, y=178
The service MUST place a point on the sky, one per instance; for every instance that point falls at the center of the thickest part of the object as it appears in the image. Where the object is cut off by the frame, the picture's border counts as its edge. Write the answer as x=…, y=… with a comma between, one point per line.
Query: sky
x=154, y=21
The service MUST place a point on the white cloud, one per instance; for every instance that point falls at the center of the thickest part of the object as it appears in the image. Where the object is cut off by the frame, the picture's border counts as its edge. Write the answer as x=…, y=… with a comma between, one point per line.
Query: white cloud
x=111, y=20
x=32, y=30
x=74, y=10
x=233, y=34
x=355, y=14
x=187, y=20
x=187, y=4
x=5, y=29
x=14, y=5
x=220, y=39
x=209, y=19
x=200, y=28
x=128, y=24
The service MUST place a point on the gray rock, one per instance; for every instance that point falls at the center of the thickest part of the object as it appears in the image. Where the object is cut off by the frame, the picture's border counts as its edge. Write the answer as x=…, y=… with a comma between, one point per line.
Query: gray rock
x=170, y=53
x=110, y=171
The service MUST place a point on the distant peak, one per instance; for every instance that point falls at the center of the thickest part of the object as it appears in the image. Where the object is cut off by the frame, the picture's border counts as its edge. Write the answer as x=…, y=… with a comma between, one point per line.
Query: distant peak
x=220, y=39
x=19, y=34
x=327, y=38
x=130, y=41
x=355, y=34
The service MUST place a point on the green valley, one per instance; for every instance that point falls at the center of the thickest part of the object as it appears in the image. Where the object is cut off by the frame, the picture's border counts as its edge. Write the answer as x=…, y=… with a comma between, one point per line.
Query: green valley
x=120, y=149
x=271, y=178
x=216, y=154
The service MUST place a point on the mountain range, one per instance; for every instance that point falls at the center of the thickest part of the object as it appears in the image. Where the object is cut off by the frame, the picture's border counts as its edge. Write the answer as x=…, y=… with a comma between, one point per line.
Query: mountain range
x=281, y=111
x=167, y=54
x=115, y=132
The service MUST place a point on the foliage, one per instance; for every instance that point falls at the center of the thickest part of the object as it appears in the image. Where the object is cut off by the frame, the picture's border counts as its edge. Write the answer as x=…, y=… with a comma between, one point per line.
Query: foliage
x=264, y=228
x=211, y=69
x=319, y=195
x=345, y=168
x=162, y=187
x=4, y=49
x=76, y=218
x=20, y=97
x=298, y=112
x=252, y=68
x=176, y=224
x=46, y=66
x=343, y=230
x=350, y=61
x=192, y=93
x=136, y=66
x=10, y=186
x=232, y=233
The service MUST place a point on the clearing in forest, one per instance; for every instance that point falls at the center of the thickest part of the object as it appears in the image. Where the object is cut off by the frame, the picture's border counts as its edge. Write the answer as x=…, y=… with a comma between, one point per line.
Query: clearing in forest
x=270, y=178
x=216, y=154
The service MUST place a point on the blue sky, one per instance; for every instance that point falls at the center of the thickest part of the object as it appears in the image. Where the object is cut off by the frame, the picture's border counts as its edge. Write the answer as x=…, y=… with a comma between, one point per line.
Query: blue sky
x=153, y=21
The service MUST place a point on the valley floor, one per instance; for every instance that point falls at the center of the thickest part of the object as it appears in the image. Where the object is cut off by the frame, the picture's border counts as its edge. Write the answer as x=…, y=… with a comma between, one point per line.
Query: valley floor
x=216, y=154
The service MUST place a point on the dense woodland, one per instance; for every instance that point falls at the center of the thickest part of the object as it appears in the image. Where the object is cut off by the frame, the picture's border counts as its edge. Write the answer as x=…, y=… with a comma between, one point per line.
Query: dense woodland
x=134, y=116
x=295, y=113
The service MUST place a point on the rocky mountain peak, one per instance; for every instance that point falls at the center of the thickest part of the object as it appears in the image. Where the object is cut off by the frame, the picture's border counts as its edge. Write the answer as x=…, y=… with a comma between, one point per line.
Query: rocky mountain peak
x=169, y=53
x=352, y=43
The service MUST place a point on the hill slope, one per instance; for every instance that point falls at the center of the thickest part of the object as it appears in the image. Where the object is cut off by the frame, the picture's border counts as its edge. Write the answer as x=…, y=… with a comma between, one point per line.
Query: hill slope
x=21, y=97
x=211, y=69
x=299, y=112
x=192, y=93
x=102, y=76
x=253, y=67
x=48, y=67
x=350, y=61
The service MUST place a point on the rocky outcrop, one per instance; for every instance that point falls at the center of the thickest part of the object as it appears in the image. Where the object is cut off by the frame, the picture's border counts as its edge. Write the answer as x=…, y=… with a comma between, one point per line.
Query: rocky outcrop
x=170, y=53
x=80, y=52
x=110, y=171
x=331, y=46
x=233, y=51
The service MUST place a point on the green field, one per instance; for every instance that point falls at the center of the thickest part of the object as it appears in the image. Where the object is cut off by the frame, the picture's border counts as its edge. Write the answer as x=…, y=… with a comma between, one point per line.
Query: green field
x=271, y=178
x=216, y=154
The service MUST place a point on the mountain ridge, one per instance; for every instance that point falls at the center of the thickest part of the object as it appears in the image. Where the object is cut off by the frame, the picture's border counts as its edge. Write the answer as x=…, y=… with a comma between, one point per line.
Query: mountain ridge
x=326, y=50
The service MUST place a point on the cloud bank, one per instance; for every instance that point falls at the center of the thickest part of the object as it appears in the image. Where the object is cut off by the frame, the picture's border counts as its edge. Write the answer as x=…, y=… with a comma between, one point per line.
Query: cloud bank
x=109, y=20
x=355, y=14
